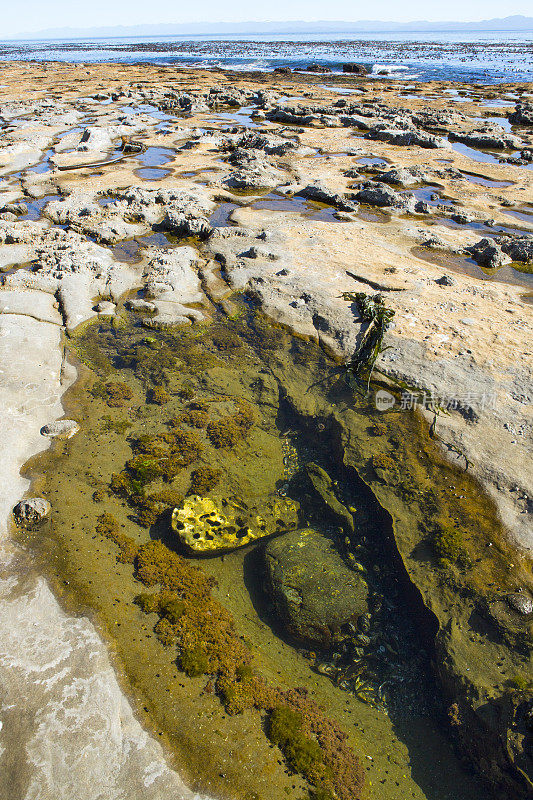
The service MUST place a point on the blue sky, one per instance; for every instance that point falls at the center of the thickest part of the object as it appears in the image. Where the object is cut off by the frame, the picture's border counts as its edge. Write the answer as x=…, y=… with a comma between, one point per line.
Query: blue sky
x=33, y=15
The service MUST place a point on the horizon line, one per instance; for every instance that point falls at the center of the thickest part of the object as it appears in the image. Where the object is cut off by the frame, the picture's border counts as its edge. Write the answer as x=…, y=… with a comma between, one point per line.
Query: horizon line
x=282, y=23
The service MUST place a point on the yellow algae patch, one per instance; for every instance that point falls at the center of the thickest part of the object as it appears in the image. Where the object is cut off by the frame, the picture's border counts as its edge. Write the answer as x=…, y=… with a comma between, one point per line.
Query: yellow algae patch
x=211, y=525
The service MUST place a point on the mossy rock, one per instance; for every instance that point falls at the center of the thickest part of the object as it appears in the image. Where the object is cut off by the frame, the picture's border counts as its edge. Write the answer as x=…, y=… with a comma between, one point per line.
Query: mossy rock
x=313, y=590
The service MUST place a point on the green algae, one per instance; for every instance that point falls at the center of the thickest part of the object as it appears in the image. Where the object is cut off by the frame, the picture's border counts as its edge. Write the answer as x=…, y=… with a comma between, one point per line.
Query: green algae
x=267, y=360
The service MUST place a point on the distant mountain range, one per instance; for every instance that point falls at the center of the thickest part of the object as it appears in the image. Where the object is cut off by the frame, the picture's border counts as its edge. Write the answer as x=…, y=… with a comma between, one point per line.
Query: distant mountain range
x=198, y=29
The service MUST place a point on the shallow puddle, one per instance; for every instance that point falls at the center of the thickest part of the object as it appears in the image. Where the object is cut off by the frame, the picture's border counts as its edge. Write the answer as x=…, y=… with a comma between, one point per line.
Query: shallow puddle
x=156, y=156
x=373, y=161
x=127, y=251
x=220, y=218
x=372, y=214
x=164, y=240
x=296, y=205
x=35, y=207
x=329, y=155
x=475, y=155
x=521, y=214
x=336, y=89
x=241, y=117
x=430, y=195
x=152, y=173
x=486, y=230
x=497, y=103
x=45, y=165
x=481, y=180
x=503, y=122
x=467, y=266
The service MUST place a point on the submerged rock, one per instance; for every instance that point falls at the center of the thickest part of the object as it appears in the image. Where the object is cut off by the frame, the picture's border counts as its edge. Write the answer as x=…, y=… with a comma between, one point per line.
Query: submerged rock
x=313, y=590
x=31, y=511
x=322, y=484
x=213, y=525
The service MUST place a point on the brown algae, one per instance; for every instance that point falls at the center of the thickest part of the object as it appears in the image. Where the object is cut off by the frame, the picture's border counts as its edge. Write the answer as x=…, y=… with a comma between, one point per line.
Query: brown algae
x=197, y=645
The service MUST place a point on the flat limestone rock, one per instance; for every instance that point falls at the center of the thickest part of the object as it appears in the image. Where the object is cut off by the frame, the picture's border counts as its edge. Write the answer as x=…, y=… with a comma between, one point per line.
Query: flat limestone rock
x=313, y=590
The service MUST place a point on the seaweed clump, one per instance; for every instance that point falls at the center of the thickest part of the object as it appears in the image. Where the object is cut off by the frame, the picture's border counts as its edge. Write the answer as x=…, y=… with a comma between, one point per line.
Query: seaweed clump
x=150, y=359
x=448, y=543
x=193, y=661
x=158, y=396
x=195, y=415
x=203, y=480
x=385, y=468
x=151, y=508
x=185, y=448
x=227, y=431
x=286, y=730
x=373, y=311
x=120, y=426
x=225, y=339
x=118, y=394
x=223, y=433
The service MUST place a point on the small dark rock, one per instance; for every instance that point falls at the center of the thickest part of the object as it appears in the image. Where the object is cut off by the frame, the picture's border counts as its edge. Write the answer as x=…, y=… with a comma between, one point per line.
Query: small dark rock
x=355, y=69
x=446, y=280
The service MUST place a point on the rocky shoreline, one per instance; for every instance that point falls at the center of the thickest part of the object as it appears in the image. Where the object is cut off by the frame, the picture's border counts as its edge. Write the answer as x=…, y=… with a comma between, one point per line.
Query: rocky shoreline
x=172, y=190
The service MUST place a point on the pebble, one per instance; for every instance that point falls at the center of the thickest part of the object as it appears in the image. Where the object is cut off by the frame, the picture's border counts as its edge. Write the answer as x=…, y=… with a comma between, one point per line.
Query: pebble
x=60, y=429
x=31, y=511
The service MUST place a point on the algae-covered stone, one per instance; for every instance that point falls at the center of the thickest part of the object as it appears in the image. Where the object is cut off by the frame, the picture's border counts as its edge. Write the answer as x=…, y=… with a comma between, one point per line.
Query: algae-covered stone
x=314, y=592
x=215, y=524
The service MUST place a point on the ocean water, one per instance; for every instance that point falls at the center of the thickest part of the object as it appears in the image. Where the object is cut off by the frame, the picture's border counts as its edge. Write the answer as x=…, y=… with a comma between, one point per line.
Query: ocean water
x=487, y=57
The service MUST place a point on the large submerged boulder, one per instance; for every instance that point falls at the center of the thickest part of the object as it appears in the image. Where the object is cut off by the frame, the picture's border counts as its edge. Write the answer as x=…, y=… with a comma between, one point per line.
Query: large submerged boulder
x=313, y=591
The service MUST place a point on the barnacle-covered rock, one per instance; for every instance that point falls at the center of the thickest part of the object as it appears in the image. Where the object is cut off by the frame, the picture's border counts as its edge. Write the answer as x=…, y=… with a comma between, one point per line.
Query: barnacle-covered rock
x=215, y=524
